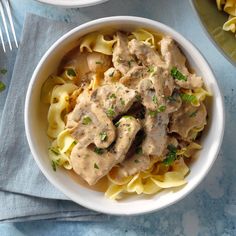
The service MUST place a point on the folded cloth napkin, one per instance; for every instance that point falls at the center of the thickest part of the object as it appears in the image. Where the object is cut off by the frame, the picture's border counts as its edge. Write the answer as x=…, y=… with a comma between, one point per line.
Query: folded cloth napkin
x=25, y=194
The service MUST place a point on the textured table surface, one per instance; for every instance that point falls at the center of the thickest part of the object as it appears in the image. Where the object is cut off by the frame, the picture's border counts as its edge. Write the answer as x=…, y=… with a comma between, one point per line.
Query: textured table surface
x=208, y=210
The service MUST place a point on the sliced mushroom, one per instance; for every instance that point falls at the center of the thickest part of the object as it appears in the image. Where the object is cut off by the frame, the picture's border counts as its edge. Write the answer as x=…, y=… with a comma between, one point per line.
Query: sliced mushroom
x=115, y=99
x=134, y=76
x=98, y=62
x=111, y=76
x=88, y=124
x=133, y=165
x=122, y=58
x=92, y=163
x=156, y=134
x=174, y=58
x=187, y=118
x=156, y=90
x=147, y=55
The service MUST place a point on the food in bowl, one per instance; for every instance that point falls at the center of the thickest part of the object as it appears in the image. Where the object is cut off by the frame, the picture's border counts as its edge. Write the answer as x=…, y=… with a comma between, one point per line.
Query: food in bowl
x=125, y=107
x=229, y=6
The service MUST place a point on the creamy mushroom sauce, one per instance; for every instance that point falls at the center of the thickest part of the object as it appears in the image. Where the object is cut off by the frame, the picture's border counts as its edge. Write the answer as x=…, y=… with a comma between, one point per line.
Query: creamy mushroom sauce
x=130, y=109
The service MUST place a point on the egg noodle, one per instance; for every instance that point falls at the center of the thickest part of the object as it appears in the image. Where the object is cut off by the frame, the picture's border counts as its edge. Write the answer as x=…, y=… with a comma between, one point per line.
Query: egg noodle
x=61, y=91
x=229, y=6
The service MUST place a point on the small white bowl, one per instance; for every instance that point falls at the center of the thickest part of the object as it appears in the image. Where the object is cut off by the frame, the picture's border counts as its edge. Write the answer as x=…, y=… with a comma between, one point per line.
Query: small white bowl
x=36, y=122
x=73, y=3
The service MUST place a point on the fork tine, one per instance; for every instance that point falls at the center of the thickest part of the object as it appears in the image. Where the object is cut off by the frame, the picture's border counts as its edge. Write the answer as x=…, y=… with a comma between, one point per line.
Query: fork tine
x=3, y=45
x=5, y=24
x=6, y=2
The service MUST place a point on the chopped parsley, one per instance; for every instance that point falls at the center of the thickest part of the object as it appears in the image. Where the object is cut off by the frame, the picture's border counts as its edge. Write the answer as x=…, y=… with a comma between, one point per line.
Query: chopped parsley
x=99, y=151
x=95, y=166
x=122, y=101
x=139, y=150
x=129, y=63
x=177, y=74
x=71, y=72
x=136, y=161
x=54, y=151
x=75, y=142
x=103, y=136
x=171, y=98
x=152, y=113
x=86, y=120
x=188, y=97
x=3, y=71
x=2, y=86
x=151, y=69
x=112, y=96
x=117, y=123
x=193, y=114
x=161, y=108
x=138, y=97
x=98, y=62
x=154, y=99
x=54, y=165
x=111, y=112
x=171, y=156
x=127, y=117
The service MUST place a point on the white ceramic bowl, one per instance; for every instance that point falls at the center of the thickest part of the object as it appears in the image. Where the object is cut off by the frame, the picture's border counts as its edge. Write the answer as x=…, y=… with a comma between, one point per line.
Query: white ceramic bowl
x=73, y=3
x=36, y=122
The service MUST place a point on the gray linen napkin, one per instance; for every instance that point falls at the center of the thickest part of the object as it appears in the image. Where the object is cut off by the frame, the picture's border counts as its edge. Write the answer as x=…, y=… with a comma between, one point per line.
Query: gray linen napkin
x=25, y=194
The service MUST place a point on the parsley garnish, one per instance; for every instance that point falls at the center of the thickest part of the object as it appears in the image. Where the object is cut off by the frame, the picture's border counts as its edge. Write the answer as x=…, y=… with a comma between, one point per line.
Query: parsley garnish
x=188, y=97
x=3, y=71
x=98, y=62
x=154, y=99
x=136, y=161
x=86, y=120
x=129, y=63
x=122, y=101
x=161, y=108
x=138, y=97
x=2, y=86
x=117, y=123
x=71, y=72
x=139, y=150
x=111, y=112
x=99, y=151
x=151, y=69
x=112, y=96
x=171, y=156
x=95, y=166
x=103, y=136
x=127, y=117
x=193, y=114
x=54, y=165
x=152, y=113
x=171, y=98
x=54, y=150
x=75, y=142
x=177, y=74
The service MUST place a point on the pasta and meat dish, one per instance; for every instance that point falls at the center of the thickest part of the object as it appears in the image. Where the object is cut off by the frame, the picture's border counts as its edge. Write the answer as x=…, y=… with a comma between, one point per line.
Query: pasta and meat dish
x=126, y=107
x=229, y=6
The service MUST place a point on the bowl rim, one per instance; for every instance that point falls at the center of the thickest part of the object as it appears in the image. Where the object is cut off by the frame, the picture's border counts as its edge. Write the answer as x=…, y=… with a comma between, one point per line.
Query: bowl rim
x=99, y=22
x=72, y=3
x=207, y=33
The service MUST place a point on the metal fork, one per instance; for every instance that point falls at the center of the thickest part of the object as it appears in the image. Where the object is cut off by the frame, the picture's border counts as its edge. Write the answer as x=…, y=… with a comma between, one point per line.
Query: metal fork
x=5, y=7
